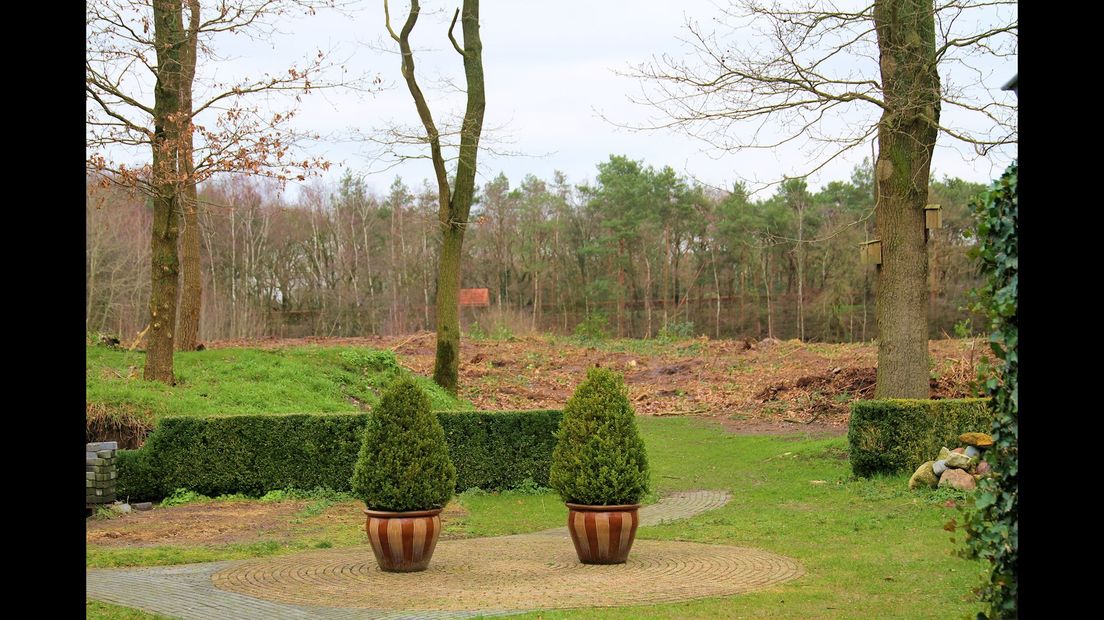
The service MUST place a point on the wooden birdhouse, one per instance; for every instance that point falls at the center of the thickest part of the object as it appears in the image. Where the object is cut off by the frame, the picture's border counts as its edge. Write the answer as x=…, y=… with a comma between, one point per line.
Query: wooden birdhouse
x=870, y=253
x=933, y=217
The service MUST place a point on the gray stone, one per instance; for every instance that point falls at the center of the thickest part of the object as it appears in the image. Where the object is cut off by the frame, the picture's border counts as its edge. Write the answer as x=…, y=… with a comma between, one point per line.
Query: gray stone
x=106, y=454
x=143, y=506
x=102, y=445
x=971, y=451
x=924, y=476
x=958, y=461
x=90, y=455
x=939, y=467
x=957, y=479
x=123, y=508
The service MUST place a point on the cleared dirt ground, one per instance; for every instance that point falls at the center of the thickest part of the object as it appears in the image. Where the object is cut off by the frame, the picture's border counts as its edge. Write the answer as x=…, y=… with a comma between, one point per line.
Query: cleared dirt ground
x=780, y=383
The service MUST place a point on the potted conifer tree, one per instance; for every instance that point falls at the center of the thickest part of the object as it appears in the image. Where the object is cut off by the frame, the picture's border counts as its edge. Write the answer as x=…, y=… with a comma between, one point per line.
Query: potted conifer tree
x=405, y=477
x=600, y=468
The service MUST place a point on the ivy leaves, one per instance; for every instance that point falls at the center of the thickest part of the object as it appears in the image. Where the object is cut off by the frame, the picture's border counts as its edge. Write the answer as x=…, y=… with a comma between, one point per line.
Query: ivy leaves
x=993, y=526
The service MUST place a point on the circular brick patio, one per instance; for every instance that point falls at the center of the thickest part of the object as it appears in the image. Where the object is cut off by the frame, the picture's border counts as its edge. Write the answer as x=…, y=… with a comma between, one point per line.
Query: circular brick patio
x=509, y=572
x=516, y=573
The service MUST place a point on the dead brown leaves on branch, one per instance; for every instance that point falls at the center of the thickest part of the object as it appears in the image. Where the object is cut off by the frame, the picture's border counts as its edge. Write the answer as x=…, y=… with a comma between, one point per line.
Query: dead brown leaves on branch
x=231, y=130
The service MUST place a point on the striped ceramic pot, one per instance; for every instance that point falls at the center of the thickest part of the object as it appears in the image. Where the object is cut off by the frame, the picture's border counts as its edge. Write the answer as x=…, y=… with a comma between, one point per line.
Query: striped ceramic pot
x=403, y=541
x=602, y=534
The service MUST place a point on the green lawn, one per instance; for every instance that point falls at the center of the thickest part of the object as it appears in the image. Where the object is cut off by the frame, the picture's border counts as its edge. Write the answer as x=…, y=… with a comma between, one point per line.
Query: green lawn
x=302, y=379
x=98, y=610
x=871, y=548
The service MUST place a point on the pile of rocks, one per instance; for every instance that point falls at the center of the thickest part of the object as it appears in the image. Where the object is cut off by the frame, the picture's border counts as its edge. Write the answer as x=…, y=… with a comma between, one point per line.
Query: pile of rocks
x=960, y=468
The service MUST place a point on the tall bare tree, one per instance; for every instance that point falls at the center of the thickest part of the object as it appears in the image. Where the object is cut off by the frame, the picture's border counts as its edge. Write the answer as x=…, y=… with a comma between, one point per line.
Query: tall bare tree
x=240, y=138
x=813, y=74
x=454, y=202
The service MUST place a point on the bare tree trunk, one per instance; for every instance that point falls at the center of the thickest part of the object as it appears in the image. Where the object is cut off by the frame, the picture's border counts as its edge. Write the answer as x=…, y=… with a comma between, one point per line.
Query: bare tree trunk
x=906, y=139
x=666, y=274
x=648, y=295
x=233, y=321
x=536, y=301
x=446, y=366
x=168, y=33
x=800, y=251
x=453, y=209
x=717, y=287
x=191, y=278
x=207, y=234
x=621, y=289
x=766, y=286
x=90, y=287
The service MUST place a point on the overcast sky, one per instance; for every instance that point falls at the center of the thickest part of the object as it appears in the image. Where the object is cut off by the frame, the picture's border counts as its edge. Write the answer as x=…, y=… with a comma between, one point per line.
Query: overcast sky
x=550, y=71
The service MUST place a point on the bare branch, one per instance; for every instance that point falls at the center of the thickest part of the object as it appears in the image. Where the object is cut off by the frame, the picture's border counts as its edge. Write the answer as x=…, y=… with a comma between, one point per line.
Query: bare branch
x=455, y=45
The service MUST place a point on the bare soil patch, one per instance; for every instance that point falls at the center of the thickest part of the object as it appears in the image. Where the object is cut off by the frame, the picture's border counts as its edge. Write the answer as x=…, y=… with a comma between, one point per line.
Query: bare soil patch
x=195, y=524
x=815, y=430
x=788, y=382
x=225, y=522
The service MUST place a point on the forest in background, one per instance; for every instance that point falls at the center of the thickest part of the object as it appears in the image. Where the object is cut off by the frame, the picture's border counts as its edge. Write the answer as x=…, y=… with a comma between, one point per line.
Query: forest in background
x=639, y=252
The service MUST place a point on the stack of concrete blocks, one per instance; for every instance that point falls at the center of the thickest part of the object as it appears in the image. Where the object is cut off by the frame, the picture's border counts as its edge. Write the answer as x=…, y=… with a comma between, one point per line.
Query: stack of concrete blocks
x=99, y=473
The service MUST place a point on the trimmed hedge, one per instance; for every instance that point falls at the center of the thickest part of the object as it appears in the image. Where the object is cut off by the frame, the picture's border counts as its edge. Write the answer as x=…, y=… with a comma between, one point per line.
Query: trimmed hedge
x=254, y=454
x=896, y=435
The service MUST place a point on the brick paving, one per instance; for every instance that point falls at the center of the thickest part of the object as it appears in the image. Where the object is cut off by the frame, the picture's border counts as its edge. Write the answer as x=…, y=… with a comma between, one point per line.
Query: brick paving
x=482, y=576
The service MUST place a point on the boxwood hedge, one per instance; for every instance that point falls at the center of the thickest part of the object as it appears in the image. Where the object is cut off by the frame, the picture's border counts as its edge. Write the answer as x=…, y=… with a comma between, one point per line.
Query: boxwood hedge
x=895, y=435
x=254, y=454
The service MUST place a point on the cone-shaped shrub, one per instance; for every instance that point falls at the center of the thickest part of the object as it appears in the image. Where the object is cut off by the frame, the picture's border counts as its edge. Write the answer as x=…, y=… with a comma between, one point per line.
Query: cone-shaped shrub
x=404, y=462
x=599, y=458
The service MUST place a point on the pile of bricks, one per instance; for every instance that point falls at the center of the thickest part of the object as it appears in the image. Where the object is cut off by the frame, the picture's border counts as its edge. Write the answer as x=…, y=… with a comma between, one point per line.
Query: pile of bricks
x=99, y=473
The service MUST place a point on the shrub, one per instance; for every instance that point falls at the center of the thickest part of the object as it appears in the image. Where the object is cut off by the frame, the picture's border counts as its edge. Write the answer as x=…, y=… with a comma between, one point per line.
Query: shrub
x=600, y=458
x=404, y=461
x=676, y=331
x=254, y=454
x=137, y=478
x=895, y=435
x=593, y=327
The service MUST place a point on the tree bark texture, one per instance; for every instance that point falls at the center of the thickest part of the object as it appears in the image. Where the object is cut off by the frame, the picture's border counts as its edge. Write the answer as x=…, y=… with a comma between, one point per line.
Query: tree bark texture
x=907, y=133
x=168, y=35
x=191, y=278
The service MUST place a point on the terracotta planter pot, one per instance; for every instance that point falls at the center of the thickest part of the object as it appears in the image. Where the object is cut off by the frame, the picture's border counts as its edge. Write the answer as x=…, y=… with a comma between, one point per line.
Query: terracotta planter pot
x=602, y=534
x=403, y=541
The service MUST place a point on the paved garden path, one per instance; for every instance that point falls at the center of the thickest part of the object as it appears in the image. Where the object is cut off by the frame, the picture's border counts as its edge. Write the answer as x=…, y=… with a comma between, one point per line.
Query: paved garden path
x=469, y=577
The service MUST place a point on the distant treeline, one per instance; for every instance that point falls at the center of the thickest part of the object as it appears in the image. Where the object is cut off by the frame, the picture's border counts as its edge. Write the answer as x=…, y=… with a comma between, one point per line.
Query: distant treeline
x=639, y=253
